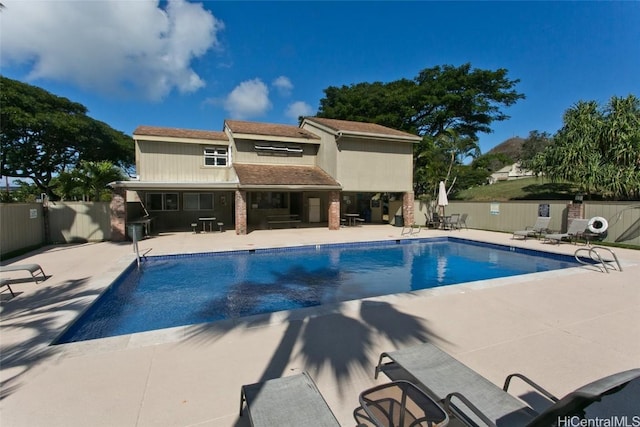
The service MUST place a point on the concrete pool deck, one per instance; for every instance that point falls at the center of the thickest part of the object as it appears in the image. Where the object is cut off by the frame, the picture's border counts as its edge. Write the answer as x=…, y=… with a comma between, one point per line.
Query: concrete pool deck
x=562, y=329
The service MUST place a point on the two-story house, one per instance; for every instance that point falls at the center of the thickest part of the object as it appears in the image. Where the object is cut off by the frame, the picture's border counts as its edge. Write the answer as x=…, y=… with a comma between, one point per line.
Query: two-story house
x=253, y=175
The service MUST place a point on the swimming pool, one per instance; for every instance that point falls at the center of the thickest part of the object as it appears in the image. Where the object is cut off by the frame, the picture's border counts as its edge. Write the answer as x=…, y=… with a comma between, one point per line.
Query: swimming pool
x=178, y=290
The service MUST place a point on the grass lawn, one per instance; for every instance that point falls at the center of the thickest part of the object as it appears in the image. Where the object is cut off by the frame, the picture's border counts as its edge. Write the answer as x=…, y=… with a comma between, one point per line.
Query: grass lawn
x=520, y=189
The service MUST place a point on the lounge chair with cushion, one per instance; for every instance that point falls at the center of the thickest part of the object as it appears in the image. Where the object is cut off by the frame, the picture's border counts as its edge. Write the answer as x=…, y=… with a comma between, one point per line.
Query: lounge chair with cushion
x=36, y=271
x=287, y=401
x=474, y=400
x=541, y=226
x=575, y=230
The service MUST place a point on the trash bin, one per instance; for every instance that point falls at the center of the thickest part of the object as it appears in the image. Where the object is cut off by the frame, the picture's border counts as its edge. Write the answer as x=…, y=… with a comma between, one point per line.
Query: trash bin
x=135, y=229
x=399, y=222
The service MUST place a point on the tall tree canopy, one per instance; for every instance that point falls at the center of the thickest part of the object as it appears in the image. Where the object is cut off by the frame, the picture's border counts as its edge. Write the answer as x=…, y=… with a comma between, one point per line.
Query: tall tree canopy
x=444, y=97
x=448, y=106
x=43, y=135
x=598, y=149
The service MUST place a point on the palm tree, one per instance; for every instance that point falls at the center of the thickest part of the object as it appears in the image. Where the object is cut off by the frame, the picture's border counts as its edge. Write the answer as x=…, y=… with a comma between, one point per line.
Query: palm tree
x=89, y=180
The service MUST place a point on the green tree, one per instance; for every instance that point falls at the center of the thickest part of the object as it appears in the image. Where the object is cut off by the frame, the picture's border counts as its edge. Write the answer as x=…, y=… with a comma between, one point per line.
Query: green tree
x=444, y=97
x=448, y=106
x=44, y=135
x=88, y=182
x=535, y=143
x=597, y=149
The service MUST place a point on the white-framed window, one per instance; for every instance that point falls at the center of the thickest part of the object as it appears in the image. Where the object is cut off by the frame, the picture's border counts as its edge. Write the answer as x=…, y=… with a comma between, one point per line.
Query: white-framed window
x=216, y=156
x=197, y=201
x=162, y=201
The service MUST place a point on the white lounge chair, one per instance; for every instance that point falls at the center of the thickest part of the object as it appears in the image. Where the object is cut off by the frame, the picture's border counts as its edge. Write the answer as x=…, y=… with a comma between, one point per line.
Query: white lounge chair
x=575, y=230
x=541, y=226
x=36, y=271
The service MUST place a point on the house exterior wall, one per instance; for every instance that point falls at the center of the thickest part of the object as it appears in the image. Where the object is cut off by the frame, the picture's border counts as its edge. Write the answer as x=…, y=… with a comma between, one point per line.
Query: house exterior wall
x=244, y=152
x=327, y=155
x=372, y=165
x=178, y=162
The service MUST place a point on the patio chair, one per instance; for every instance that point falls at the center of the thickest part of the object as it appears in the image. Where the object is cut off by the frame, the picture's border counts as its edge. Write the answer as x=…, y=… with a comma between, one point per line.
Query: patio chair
x=287, y=401
x=36, y=271
x=473, y=399
x=434, y=221
x=541, y=226
x=575, y=230
x=453, y=222
x=463, y=221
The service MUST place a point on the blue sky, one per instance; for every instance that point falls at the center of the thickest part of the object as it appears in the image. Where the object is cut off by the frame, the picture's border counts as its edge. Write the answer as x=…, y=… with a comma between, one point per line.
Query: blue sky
x=194, y=64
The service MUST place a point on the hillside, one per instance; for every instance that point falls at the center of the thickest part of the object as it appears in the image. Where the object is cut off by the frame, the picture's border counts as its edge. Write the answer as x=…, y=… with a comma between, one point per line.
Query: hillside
x=512, y=147
x=520, y=189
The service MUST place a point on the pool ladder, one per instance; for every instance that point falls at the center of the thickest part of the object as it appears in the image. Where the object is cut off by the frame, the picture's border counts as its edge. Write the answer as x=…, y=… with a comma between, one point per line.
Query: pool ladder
x=593, y=253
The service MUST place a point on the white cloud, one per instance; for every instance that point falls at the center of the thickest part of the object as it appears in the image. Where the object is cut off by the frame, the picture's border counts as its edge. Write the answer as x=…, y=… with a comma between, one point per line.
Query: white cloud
x=123, y=47
x=283, y=85
x=249, y=99
x=297, y=109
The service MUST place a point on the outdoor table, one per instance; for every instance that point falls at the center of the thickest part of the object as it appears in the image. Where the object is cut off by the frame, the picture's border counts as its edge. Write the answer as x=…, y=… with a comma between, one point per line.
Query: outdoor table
x=400, y=403
x=351, y=218
x=205, y=220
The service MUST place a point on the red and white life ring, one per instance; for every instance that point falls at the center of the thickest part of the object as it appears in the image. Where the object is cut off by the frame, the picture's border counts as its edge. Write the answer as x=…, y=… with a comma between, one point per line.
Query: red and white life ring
x=598, y=225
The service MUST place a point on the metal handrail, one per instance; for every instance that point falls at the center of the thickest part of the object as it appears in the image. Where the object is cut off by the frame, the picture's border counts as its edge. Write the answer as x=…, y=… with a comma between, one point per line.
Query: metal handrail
x=595, y=256
x=136, y=250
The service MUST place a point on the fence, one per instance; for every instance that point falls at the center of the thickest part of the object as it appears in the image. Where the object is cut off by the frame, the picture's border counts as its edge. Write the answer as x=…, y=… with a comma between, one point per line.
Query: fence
x=22, y=225
x=623, y=217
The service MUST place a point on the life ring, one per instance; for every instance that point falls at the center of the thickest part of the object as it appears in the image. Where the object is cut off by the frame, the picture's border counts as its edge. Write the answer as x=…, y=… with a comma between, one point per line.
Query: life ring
x=598, y=225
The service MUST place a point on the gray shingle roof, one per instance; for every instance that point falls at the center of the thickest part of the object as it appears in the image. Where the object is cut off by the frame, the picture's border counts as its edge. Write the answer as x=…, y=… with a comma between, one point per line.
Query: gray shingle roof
x=180, y=133
x=253, y=174
x=269, y=129
x=359, y=127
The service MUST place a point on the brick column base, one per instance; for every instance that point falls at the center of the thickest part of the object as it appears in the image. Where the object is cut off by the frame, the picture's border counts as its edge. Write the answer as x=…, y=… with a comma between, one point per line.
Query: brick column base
x=334, y=210
x=241, y=212
x=118, y=214
x=407, y=208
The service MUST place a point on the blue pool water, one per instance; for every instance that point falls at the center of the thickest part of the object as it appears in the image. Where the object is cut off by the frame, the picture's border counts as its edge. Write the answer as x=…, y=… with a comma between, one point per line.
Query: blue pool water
x=182, y=290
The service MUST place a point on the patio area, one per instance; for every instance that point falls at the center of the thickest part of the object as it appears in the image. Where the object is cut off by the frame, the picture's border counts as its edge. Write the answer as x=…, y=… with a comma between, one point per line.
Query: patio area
x=563, y=329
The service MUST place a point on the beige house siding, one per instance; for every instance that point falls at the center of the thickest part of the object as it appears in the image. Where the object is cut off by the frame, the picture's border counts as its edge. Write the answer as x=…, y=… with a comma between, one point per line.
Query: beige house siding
x=176, y=162
x=372, y=165
x=327, y=152
x=244, y=152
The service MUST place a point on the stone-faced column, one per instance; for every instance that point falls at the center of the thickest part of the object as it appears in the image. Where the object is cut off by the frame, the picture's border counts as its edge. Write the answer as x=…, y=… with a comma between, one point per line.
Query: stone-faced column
x=574, y=211
x=118, y=214
x=241, y=212
x=407, y=208
x=334, y=210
